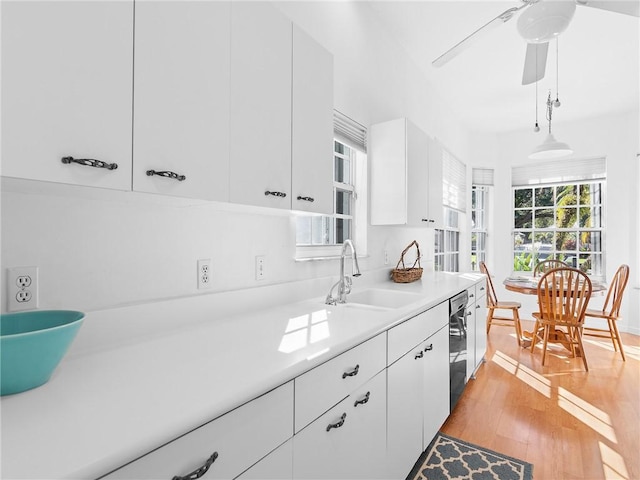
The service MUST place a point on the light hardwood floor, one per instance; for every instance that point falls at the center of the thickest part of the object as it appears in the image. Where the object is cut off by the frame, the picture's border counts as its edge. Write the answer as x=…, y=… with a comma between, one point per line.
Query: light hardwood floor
x=568, y=423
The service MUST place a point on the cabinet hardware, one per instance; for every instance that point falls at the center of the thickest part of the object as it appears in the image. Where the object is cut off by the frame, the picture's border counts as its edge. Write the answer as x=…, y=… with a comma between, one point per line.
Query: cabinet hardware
x=477, y=306
x=166, y=174
x=428, y=220
x=89, y=162
x=363, y=400
x=199, y=472
x=352, y=373
x=420, y=354
x=429, y=347
x=338, y=424
x=471, y=295
x=276, y=194
x=481, y=288
x=306, y=199
x=469, y=313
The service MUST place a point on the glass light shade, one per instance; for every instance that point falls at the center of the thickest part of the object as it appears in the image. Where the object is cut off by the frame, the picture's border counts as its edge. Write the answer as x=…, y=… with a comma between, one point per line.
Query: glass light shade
x=550, y=148
x=545, y=20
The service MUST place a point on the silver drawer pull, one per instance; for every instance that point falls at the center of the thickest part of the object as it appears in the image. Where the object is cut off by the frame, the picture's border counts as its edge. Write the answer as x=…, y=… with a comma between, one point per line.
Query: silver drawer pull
x=200, y=471
x=338, y=424
x=89, y=162
x=420, y=354
x=166, y=174
x=352, y=373
x=429, y=347
x=275, y=194
x=306, y=199
x=363, y=400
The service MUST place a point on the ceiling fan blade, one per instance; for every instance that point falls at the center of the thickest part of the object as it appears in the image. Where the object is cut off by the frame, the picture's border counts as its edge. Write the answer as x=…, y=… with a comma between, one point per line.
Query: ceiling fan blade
x=535, y=62
x=628, y=7
x=462, y=45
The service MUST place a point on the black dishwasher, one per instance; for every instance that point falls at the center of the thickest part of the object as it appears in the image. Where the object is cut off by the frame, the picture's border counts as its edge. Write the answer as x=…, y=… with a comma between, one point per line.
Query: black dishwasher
x=457, y=346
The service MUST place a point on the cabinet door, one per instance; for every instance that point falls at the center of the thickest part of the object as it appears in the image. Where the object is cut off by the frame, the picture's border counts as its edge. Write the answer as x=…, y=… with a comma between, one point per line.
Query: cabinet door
x=481, y=330
x=418, y=177
x=404, y=413
x=434, y=182
x=278, y=465
x=238, y=439
x=388, y=154
x=181, y=102
x=348, y=441
x=312, y=130
x=66, y=91
x=436, y=383
x=260, y=121
x=470, y=318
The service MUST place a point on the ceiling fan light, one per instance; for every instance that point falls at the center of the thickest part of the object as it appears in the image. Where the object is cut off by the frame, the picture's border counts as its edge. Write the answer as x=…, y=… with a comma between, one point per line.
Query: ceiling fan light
x=545, y=20
x=550, y=148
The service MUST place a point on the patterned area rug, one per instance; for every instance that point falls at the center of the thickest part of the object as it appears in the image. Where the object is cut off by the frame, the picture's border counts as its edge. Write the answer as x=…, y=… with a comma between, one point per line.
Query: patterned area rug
x=448, y=458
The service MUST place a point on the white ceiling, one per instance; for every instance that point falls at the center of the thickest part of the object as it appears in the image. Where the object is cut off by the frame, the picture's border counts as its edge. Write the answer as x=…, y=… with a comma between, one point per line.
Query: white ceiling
x=598, y=62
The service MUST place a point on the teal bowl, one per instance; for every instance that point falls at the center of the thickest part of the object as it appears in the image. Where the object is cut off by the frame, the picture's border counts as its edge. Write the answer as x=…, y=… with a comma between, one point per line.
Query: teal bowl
x=32, y=345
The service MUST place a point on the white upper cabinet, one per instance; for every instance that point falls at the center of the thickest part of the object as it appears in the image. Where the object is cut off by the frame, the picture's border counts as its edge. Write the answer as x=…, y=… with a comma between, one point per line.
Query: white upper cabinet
x=312, y=126
x=66, y=91
x=181, y=98
x=406, y=176
x=260, y=120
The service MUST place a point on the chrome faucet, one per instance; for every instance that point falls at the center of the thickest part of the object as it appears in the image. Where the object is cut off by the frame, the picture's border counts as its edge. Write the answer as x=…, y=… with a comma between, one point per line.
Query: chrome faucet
x=344, y=283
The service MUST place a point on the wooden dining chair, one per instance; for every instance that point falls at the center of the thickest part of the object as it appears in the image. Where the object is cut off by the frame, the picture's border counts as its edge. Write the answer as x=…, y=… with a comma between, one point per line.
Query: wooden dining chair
x=563, y=296
x=493, y=304
x=546, y=265
x=611, y=310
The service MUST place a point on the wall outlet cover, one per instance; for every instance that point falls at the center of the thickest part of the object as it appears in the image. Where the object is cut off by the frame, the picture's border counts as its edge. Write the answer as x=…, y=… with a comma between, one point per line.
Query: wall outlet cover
x=204, y=273
x=22, y=288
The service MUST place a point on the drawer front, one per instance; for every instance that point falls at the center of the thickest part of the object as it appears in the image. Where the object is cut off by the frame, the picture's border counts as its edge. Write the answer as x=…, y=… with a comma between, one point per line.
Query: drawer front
x=324, y=386
x=481, y=292
x=240, y=438
x=407, y=335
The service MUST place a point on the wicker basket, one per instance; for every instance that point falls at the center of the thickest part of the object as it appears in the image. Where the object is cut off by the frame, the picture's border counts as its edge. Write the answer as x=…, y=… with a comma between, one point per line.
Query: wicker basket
x=407, y=275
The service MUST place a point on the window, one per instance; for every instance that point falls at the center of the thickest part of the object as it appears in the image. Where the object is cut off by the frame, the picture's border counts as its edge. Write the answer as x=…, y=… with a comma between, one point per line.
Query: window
x=562, y=221
x=558, y=212
x=479, y=200
x=447, y=240
x=447, y=244
x=482, y=180
x=320, y=236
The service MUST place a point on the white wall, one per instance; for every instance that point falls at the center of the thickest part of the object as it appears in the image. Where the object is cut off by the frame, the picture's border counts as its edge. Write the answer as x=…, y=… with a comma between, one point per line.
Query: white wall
x=615, y=137
x=97, y=248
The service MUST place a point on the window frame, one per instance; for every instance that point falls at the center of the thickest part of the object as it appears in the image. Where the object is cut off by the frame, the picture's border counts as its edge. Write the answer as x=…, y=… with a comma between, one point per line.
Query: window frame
x=480, y=254
x=444, y=238
x=554, y=230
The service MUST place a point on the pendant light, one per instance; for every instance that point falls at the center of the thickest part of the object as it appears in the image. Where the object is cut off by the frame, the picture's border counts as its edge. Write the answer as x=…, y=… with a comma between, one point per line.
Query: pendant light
x=550, y=148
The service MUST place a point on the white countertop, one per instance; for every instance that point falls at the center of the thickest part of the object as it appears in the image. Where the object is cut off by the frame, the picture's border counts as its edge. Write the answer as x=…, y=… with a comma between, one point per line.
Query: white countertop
x=112, y=400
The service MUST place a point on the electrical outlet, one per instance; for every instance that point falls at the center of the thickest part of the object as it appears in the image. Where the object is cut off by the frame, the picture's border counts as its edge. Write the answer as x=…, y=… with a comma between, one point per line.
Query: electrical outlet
x=22, y=288
x=260, y=267
x=386, y=257
x=204, y=273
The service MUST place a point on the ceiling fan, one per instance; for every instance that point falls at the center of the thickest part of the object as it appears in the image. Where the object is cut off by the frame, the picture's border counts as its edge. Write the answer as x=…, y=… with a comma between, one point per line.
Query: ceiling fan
x=541, y=21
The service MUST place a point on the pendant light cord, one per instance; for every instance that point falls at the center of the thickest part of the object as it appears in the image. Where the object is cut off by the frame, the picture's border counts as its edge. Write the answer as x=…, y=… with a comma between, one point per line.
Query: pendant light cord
x=557, y=71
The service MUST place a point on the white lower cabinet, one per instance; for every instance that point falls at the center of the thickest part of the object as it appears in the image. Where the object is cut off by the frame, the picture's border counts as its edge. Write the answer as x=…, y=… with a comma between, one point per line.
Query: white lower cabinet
x=348, y=441
x=226, y=446
x=278, y=465
x=476, y=315
x=417, y=389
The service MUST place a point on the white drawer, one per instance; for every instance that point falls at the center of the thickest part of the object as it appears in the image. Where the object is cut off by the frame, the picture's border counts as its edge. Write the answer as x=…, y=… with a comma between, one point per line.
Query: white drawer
x=321, y=388
x=240, y=438
x=407, y=335
x=481, y=291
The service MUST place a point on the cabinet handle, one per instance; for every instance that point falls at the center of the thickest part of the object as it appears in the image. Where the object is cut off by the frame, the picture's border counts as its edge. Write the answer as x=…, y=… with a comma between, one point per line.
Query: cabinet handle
x=306, y=199
x=471, y=295
x=429, y=347
x=199, y=472
x=429, y=220
x=477, y=306
x=481, y=288
x=275, y=194
x=338, y=424
x=352, y=373
x=363, y=400
x=89, y=162
x=469, y=313
x=166, y=174
x=420, y=354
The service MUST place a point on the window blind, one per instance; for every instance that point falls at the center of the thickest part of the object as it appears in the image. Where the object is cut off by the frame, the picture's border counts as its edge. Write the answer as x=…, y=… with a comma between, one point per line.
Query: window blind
x=482, y=176
x=454, y=182
x=559, y=171
x=349, y=131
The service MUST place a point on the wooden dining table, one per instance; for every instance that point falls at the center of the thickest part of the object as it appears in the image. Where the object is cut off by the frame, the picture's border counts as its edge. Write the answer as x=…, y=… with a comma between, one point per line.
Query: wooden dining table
x=528, y=285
